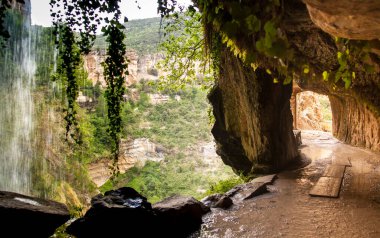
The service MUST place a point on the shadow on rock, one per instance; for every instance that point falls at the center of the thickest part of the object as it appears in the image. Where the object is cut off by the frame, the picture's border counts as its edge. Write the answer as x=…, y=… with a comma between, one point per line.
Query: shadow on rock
x=126, y=213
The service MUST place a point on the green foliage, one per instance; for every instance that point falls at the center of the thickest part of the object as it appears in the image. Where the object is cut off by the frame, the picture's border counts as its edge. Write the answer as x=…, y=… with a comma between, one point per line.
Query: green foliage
x=353, y=56
x=115, y=67
x=223, y=186
x=68, y=62
x=84, y=15
x=184, y=53
x=178, y=174
x=175, y=124
x=5, y=6
x=142, y=35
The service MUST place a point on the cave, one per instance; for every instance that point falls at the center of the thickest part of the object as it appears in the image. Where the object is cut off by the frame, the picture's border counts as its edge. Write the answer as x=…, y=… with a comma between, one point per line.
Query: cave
x=251, y=105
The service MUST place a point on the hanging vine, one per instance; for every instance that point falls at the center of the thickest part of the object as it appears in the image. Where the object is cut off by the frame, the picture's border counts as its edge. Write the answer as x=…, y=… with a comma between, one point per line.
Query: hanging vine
x=115, y=69
x=76, y=23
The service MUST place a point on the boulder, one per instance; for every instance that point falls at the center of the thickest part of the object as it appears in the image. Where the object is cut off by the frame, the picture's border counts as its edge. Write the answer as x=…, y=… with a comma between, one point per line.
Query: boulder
x=180, y=215
x=217, y=201
x=24, y=216
x=254, y=188
x=125, y=213
x=117, y=213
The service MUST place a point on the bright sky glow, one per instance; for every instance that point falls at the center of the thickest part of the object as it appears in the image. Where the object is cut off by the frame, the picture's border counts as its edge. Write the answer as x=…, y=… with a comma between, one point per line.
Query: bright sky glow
x=41, y=10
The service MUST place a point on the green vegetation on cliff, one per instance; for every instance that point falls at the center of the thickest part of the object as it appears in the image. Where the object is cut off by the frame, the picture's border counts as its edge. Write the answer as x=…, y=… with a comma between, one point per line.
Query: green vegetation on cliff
x=141, y=35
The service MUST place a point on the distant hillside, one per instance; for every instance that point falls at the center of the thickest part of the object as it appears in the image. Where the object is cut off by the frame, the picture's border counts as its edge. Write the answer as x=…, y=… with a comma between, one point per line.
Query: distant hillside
x=142, y=35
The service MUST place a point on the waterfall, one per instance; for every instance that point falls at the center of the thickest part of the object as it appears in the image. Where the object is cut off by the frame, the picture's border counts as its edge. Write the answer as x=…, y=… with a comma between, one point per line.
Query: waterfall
x=17, y=69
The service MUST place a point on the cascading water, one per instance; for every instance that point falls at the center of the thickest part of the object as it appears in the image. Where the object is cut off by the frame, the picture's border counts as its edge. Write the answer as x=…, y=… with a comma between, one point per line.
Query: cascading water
x=17, y=69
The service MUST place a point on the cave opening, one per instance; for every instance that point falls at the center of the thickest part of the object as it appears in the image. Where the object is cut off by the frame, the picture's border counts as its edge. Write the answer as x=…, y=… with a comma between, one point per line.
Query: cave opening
x=311, y=111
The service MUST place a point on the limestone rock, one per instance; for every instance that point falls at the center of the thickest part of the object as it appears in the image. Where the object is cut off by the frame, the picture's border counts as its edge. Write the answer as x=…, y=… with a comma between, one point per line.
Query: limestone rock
x=139, y=67
x=125, y=213
x=156, y=98
x=180, y=215
x=255, y=187
x=297, y=134
x=309, y=112
x=217, y=200
x=253, y=121
x=110, y=214
x=24, y=216
x=355, y=123
x=132, y=153
x=352, y=19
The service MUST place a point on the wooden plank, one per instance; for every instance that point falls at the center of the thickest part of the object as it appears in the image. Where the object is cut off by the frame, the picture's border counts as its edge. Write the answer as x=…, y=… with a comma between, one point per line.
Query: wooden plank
x=335, y=171
x=327, y=187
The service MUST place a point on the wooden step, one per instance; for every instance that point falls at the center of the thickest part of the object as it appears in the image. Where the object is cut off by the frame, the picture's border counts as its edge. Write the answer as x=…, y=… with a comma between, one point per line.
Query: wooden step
x=329, y=184
x=327, y=187
x=335, y=171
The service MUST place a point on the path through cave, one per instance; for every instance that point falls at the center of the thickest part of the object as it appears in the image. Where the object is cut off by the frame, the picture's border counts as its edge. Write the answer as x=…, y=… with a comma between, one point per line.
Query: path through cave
x=288, y=210
x=311, y=111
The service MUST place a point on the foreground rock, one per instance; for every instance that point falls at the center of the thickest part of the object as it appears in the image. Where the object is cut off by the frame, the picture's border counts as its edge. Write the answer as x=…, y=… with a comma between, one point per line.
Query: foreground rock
x=24, y=216
x=217, y=201
x=110, y=214
x=180, y=215
x=125, y=213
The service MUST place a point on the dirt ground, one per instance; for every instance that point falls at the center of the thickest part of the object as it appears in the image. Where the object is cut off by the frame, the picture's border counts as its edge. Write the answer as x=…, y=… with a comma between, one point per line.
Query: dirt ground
x=288, y=210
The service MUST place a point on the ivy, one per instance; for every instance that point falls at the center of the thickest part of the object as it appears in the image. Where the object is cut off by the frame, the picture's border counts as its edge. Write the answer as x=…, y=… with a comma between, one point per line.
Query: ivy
x=68, y=62
x=115, y=68
x=352, y=56
x=76, y=23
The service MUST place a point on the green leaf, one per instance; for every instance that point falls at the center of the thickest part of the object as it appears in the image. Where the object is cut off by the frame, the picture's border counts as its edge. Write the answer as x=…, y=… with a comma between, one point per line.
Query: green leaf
x=347, y=84
x=270, y=29
x=306, y=69
x=253, y=24
x=287, y=80
x=339, y=55
x=325, y=75
x=260, y=45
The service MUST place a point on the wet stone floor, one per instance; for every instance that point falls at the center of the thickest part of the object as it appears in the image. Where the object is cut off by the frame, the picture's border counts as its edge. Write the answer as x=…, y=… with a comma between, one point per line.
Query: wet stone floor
x=288, y=210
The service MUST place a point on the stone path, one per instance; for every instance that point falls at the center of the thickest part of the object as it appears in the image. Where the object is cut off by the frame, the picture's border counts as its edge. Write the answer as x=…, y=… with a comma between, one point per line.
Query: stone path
x=288, y=210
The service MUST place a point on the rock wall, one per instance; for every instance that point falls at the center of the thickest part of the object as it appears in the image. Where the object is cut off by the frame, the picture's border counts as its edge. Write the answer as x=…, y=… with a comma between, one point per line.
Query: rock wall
x=132, y=153
x=349, y=106
x=309, y=114
x=354, y=123
x=139, y=67
x=253, y=127
x=353, y=19
x=253, y=120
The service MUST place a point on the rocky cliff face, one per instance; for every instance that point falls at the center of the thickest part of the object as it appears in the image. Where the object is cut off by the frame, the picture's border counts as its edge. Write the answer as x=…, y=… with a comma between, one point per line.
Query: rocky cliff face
x=310, y=111
x=352, y=19
x=132, y=153
x=139, y=67
x=253, y=127
x=253, y=120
